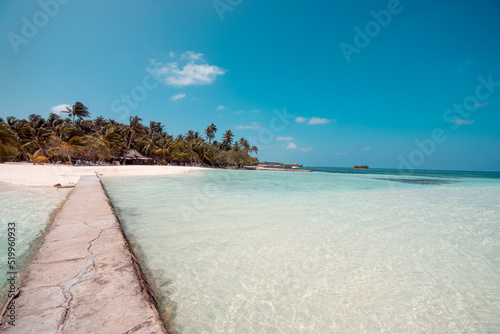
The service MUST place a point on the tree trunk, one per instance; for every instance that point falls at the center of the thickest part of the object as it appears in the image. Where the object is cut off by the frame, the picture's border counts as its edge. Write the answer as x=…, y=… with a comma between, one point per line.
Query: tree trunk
x=128, y=146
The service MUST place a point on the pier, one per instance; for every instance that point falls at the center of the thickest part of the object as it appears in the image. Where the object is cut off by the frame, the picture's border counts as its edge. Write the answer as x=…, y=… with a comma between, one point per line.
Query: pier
x=84, y=278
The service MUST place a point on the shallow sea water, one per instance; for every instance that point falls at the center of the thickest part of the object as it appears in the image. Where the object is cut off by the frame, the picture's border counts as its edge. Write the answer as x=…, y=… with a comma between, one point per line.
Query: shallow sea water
x=280, y=252
x=31, y=209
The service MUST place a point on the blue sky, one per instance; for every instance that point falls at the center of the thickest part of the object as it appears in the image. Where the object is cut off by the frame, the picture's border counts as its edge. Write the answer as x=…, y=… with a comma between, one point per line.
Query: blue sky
x=391, y=84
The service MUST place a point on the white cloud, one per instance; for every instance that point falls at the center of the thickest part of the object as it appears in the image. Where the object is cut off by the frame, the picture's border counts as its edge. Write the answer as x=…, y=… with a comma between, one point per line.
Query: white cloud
x=172, y=54
x=291, y=146
x=252, y=126
x=178, y=96
x=220, y=107
x=342, y=153
x=367, y=148
x=61, y=107
x=462, y=121
x=255, y=110
x=193, y=74
x=239, y=112
x=305, y=149
x=314, y=120
x=192, y=55
x=481, y=105
x=189, y=74
x=317, y=120
x=284, y=138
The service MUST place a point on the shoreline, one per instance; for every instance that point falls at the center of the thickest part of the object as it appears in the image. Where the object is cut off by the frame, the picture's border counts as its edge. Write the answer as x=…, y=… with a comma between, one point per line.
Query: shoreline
x=48, y=175
x=272, y=169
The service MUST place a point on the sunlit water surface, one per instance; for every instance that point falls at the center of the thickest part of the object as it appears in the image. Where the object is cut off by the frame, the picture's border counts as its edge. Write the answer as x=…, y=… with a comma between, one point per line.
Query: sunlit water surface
x=280, y=252
x=31, y=209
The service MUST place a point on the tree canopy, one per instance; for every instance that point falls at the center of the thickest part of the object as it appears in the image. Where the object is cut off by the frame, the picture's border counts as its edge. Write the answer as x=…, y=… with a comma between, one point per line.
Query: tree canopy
x=102, y=140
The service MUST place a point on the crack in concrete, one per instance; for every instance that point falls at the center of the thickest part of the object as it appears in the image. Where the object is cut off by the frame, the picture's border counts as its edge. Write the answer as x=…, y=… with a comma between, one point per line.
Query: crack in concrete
x=104, y=273
x=66, y=286
x=60, y=261
x=136, y=328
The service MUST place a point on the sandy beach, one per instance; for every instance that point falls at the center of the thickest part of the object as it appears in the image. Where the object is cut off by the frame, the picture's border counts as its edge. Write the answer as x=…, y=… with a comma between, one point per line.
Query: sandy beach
x=48, y=175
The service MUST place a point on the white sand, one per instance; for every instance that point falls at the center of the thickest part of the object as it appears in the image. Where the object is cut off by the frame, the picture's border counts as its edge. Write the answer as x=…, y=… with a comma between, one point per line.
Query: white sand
x=49, y=175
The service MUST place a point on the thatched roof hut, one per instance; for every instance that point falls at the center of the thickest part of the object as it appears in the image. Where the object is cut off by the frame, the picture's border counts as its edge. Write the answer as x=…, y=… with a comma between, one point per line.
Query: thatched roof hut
x=132, y=157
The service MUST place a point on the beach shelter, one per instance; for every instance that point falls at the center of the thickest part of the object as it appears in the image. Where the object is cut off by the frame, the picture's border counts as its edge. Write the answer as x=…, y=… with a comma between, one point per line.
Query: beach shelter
x=132, y=157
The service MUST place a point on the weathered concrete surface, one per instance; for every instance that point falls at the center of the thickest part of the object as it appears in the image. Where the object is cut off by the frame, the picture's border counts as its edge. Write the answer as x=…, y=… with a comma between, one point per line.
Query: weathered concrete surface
x=83, y=279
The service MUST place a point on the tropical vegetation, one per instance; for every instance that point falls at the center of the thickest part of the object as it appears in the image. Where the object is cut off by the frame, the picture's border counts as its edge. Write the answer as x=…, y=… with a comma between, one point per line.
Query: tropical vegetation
x=76, y=137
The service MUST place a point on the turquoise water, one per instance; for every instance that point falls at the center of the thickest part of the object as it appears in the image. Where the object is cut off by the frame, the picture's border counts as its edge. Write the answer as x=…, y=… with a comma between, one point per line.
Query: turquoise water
x=30, y=208
x=321, y=252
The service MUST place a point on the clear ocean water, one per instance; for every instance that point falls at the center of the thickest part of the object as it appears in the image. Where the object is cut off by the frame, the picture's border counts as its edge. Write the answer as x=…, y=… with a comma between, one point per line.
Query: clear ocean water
x=32, y=210
x=333, y=251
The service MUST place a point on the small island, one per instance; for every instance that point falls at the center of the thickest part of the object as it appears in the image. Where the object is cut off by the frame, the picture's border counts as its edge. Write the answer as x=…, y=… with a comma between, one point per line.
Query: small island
x=361, y=167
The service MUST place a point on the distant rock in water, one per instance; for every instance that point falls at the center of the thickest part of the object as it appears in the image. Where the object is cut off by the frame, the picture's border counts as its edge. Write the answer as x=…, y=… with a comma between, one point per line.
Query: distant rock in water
x=361, y=167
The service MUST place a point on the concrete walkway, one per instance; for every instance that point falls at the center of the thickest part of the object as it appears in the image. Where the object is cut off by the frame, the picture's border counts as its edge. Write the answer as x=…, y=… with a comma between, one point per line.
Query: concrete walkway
x=83, y=279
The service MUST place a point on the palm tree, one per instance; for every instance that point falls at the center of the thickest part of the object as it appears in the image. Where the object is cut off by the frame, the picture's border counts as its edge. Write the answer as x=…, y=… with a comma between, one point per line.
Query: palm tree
x=156, y=128
x=244, y=145
x=66, y=149
x=135, y=128
x=227, y=139
x=191, y=135
x=253, y=149
x=210, y=132
x=78, y=110
x=99, y=123
x=111, y=137
x=95, y=148
x=100, y=139
x=180, y=150
x=38, y=134
x=69, y=142
x=7, y=143
x=53, y=120
x=20, y=133
x=205, y=151
x=163, y=148
x=192, y=139
x=150, y=140
x=86, y=125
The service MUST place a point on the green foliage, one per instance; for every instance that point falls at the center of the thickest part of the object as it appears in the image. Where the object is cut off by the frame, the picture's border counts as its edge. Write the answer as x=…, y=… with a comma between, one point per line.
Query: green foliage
x=100, y=140
x=78, y=110
x=7, y=143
